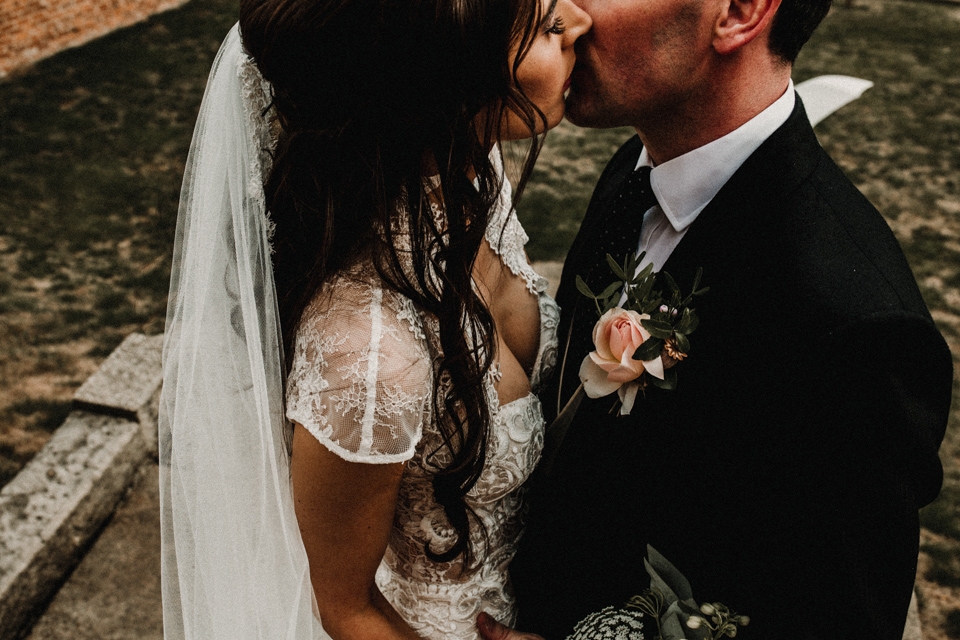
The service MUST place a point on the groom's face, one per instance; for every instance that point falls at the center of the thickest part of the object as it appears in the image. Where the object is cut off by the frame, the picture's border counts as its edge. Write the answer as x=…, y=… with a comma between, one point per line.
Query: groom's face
x=642, y=58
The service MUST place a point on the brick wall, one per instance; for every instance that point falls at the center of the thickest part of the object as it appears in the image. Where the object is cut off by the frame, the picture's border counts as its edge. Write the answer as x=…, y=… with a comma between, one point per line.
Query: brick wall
x=34, y=29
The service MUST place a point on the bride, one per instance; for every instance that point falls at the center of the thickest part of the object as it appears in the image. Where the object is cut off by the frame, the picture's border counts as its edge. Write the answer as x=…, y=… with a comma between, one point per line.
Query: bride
x=354, y=333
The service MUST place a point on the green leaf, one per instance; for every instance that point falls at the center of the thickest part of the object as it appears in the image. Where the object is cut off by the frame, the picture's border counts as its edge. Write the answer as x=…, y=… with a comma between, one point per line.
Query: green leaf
x=644, y=288
x=617, y=269
x=584, y=289
x=651, y=305
x=671, y=283
x=657, y=328
x=688, y=322
x=649, y=350
x=636, y=260
x=609, y=291
x=645, y=273
x=669, y=381
x=683, y=344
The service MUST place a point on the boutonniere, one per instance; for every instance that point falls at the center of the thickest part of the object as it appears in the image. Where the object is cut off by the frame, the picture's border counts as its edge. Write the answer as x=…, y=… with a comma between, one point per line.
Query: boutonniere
x=639, y=343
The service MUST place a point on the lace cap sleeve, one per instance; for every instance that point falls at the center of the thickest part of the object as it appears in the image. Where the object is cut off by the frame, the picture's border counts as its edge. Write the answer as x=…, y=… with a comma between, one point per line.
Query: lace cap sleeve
x=361, y=377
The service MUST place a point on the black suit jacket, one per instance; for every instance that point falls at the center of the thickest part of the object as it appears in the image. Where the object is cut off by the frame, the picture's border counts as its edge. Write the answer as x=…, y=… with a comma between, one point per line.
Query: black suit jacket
x=784, y=474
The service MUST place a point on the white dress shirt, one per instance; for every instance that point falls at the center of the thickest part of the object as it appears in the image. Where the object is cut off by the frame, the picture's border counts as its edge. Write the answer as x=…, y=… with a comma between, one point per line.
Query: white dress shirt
x=685, y=185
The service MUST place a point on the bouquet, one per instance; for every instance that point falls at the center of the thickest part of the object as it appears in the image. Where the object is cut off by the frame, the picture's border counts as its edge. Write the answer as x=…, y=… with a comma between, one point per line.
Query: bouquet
x=639, y=342
x=669, y=604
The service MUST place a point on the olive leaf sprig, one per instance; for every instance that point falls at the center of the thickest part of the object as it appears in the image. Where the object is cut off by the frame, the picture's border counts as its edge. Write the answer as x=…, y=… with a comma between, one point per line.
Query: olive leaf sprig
x=656, y=294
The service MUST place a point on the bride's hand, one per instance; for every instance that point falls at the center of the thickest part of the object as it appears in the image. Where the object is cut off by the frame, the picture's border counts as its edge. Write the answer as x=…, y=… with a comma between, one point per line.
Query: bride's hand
x=490, y=629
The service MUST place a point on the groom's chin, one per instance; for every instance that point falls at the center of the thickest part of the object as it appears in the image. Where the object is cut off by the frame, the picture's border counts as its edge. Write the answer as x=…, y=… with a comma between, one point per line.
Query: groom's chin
x=582, y=111
x=576, y=109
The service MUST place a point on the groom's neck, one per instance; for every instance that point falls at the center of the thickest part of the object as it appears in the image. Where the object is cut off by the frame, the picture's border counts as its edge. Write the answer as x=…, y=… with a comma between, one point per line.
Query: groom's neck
x=731, y=97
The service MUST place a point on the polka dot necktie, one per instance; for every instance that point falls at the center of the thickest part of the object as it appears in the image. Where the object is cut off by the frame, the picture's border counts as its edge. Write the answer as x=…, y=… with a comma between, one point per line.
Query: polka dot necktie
x=619, y=233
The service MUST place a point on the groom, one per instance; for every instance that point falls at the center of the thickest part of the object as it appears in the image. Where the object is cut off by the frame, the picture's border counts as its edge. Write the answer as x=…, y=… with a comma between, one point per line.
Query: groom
x=783, y=476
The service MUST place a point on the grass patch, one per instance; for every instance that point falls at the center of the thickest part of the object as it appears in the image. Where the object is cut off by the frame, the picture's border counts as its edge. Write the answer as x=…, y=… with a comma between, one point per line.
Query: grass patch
x=942, y=516
x=925, y=246
x=46, y=414
x=9, y=468
x=945, y=569
x=952, y=624
x=556, y=199
x=92, y=151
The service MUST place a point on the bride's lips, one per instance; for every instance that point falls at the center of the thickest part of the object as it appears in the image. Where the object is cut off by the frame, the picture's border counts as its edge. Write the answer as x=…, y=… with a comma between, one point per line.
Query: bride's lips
x=566, y=85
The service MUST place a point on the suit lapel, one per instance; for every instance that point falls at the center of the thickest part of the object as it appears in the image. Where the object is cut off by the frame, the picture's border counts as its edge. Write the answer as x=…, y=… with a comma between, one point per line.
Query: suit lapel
x=584, y=260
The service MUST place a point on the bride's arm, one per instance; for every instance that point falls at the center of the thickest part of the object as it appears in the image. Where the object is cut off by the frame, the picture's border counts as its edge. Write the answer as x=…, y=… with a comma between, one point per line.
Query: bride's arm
x=345, y=511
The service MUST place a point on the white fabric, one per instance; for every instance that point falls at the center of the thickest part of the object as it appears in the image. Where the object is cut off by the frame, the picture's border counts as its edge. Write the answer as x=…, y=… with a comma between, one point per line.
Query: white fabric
x=334, y=376
x=233, y=563
x=825, y=94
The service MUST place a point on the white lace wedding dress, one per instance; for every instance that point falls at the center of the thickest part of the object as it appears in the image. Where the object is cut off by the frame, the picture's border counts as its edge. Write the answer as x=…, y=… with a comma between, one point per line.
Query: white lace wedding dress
x=361, y=382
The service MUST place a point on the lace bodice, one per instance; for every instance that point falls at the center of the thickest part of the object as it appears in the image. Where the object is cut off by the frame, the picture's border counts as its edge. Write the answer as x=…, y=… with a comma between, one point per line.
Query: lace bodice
x=361, y=382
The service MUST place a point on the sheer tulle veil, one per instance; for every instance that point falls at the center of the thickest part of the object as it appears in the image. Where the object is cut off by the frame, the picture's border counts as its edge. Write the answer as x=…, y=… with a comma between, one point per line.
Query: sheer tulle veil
x=233, y=563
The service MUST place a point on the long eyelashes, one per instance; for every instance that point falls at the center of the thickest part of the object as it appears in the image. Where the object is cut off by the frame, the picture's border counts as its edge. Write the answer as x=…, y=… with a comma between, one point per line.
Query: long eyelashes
x=557, y=27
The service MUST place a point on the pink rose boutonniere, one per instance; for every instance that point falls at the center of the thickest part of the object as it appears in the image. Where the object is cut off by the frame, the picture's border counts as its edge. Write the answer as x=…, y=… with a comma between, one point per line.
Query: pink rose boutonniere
x=612, y=367
x=639, y=343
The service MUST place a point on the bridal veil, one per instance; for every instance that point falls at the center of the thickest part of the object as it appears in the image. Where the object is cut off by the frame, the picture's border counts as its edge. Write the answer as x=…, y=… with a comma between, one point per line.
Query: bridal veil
x=233, y=563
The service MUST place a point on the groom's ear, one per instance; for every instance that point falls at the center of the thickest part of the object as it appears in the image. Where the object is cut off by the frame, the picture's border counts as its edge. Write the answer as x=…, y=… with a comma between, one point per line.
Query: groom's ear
x=740, y=22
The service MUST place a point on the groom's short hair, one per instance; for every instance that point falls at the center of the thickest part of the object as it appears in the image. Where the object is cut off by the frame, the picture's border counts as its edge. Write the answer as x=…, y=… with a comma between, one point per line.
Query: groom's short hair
x=794, y=24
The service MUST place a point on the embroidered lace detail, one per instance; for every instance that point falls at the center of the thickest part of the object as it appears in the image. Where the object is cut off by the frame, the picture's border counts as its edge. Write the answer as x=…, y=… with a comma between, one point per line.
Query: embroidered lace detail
x=330, y=393
x=506, y=236
x=362, y=378
x=439, y=599
x=264, y=125
x=549, y=349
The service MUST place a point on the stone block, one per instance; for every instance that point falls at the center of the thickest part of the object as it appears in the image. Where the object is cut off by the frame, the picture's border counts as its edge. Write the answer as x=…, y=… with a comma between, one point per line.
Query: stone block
x=52, y=509
x=127, y=385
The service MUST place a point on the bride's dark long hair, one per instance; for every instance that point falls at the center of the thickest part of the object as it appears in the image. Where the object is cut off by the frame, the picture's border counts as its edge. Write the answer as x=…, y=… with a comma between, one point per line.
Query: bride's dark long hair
x=373, y=97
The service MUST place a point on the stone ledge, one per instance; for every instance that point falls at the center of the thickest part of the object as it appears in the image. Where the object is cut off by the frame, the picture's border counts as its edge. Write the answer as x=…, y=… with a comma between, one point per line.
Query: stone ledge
x=54, y=508
x=127, y=385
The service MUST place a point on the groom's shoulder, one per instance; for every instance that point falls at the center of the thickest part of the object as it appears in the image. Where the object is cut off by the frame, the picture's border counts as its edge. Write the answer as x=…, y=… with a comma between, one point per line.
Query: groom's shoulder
x=829, y=231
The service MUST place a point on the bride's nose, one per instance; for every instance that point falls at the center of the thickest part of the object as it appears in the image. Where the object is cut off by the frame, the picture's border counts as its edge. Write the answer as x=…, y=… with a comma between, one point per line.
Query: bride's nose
x=577, y=20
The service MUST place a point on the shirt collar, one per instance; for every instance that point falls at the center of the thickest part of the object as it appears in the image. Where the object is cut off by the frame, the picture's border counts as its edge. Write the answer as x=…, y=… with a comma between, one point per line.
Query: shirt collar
x=685, y=185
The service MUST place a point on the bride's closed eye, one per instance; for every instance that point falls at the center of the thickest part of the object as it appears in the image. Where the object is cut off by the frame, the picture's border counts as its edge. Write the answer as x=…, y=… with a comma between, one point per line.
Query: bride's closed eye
x=556, y=26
